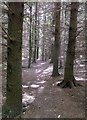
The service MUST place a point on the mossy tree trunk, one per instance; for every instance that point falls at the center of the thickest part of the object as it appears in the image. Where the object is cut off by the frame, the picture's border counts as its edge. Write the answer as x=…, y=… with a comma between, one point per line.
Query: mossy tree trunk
x=30, y=39
x=69, y=79
x=13, y=106
x=57, y=39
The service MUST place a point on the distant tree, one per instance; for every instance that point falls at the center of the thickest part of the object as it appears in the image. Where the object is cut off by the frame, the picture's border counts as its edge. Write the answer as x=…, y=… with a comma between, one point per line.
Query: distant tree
x=44, y=35
x=57, y=39
x=38, y=35
x=35, y=44
x=13, y=105
x=30, y=39
x=43, y=49
x=51, y=54
x=46, y=55
x=69, y=79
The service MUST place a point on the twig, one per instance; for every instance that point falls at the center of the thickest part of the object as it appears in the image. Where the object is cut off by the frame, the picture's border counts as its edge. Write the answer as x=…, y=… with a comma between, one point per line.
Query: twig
x=5, y=32
x=4, y=45
x=78, y=33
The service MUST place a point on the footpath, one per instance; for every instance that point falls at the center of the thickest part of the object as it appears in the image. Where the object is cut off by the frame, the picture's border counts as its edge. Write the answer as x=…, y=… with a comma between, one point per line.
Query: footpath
x=42, y=98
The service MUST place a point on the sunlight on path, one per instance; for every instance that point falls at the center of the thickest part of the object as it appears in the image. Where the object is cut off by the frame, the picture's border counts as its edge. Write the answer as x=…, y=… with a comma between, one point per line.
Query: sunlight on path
x=34, y=86
x=40, y=89
x=46, y=72
x=34, y=80
x=41, y=82
x=24, y=86
x=80, y=79
x=27, y=99
x=35, y=83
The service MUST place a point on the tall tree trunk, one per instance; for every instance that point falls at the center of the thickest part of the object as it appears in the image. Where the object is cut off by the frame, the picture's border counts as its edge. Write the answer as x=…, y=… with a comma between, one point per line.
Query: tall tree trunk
x=30, y=37
x=43, y=51
x=57, y=39
x=13, y=104
x=33, y=38
x=69, y=79
x=45, y=54
x=35, y=52
x=86, y=51
x=86, y=33
x=38, y=39
x=44, y=34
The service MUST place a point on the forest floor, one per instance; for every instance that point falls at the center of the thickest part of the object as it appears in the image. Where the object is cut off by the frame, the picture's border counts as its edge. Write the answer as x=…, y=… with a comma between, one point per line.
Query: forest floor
x=42, y=98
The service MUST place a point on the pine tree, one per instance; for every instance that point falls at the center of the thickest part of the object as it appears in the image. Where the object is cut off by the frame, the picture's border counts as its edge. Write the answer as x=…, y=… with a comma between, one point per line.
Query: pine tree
x=69, y=79
x=57, y=39
x=13, y=106
x=35, y=44
x=30, y=39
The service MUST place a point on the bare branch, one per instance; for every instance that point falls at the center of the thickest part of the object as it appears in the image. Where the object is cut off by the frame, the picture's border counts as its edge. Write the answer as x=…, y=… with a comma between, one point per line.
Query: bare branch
x=5, y=32
x=79, y=33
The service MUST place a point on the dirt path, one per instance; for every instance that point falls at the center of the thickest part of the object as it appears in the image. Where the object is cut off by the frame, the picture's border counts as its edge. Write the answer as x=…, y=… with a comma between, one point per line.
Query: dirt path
x=46, y=99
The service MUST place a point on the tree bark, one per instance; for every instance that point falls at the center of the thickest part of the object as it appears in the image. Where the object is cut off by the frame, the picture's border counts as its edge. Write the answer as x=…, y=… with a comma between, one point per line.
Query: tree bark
x=13, y=104
x=86, y=53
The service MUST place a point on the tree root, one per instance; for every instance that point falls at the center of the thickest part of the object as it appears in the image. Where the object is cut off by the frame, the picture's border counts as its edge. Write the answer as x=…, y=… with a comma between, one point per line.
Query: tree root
x=55, y=75
x=68, y=84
